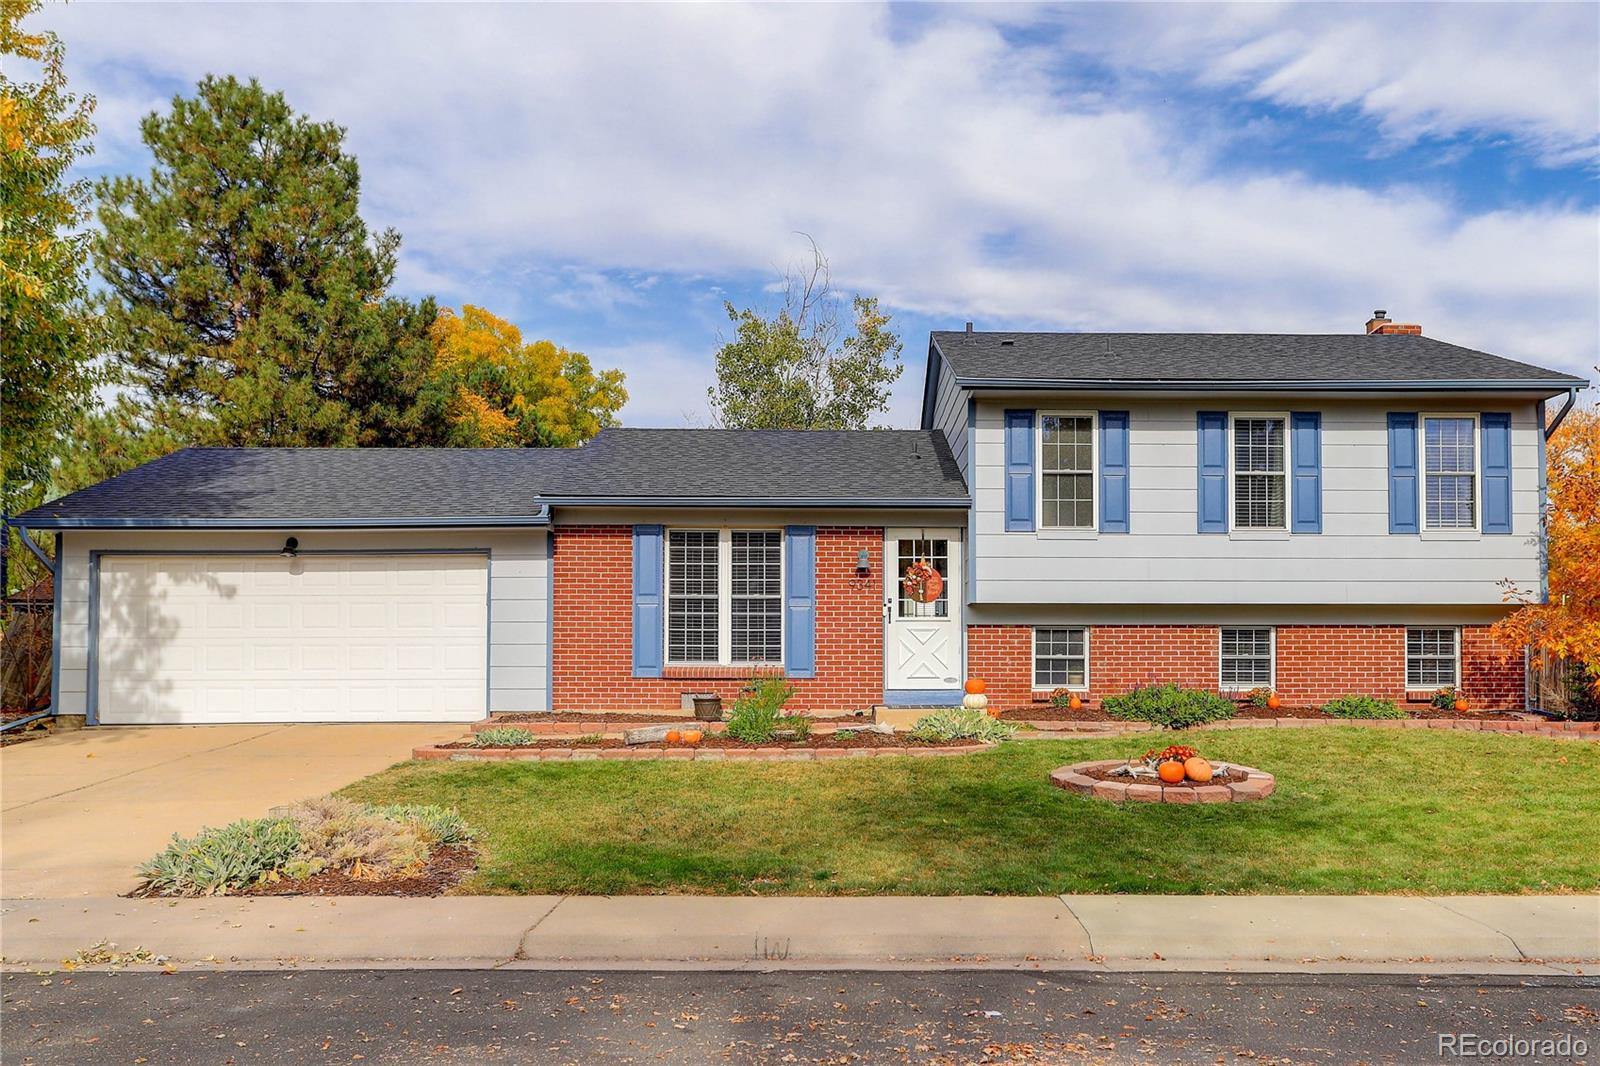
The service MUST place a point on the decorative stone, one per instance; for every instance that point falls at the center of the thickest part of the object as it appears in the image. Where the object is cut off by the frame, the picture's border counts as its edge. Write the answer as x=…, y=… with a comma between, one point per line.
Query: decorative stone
x=649, y=734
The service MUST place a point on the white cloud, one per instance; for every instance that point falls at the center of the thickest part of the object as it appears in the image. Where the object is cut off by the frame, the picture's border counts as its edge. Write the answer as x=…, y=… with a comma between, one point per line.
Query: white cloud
x=940, y=165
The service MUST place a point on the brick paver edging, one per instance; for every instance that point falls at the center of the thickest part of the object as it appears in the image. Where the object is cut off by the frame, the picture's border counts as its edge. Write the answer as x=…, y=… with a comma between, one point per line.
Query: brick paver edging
x=1524, y=727
x=1256, y=786
x=695, y=754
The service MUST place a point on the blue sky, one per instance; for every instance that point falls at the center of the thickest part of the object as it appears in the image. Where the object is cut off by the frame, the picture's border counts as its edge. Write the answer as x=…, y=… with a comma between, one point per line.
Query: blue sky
x=606, y=176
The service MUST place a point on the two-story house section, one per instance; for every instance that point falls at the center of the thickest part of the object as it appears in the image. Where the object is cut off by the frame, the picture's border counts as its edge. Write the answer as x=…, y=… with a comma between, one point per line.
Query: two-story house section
x=1322, y=514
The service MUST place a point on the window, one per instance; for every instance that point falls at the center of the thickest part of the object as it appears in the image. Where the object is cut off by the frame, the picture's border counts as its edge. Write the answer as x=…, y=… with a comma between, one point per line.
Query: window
x=1061, y=658
x=1431, y=659
x=1066, y=468
x=1451, y=472
x=1260, y=493
x=724, y=596
x=1246, y=657
x=935, y=551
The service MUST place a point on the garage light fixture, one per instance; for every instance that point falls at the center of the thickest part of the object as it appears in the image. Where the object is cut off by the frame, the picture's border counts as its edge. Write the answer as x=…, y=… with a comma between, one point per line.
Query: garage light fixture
x=291, y=548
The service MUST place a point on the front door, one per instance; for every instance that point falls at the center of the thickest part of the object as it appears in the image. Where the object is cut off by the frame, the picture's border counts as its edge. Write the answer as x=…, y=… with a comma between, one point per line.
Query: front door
x=922, y=649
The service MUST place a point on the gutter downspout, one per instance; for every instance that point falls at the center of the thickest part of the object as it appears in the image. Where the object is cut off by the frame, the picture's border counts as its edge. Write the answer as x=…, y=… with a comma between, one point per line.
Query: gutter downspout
x=55, y=623
x=1544, y=488
x=1561, y=415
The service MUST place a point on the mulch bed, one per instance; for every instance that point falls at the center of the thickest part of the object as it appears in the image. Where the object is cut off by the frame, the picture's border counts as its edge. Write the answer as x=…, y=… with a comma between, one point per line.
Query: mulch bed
x=1232, y=776
x=514, y=717
x=446, y=868
x=720, y=741
x=1051, y=713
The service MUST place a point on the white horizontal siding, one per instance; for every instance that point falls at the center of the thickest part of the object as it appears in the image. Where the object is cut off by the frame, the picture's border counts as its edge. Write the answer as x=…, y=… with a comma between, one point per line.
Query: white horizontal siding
x=1354, y=560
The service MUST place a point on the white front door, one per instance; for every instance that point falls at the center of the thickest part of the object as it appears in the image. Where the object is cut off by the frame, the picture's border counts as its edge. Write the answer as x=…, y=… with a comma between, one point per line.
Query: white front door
x=922, y=650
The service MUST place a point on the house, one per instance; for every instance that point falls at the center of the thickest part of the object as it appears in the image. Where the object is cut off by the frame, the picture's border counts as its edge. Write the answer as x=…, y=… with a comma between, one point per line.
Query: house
x=1323, y=514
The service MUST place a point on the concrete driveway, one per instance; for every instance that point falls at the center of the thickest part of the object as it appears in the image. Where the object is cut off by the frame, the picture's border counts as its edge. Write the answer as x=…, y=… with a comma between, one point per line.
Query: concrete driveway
x=78, y=811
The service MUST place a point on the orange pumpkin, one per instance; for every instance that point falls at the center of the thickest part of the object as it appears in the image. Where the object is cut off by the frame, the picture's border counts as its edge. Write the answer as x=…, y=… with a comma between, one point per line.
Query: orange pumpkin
x=1075, y=702
x=1197, y=769
x=692, y=737
x=1170, y=771
x=1273, y=702
x=975, y=686
x=1461, y=703
x=673, y=736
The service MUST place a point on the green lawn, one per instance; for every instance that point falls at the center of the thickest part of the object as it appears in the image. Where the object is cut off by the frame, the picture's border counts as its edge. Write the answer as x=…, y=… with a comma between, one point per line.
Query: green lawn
x=1356, y=810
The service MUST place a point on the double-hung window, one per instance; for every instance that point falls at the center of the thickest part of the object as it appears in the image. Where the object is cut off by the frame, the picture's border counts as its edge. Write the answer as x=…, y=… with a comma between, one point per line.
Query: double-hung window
x=1246, y=657
x=1061, y=657
x=1450, y=472
x=1066, y=469
x=1432, y=659
x=724, y=596
x=1260, y=462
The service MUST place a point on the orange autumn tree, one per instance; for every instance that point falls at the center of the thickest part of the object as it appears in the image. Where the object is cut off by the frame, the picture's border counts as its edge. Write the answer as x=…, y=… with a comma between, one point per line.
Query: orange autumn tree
x=1569, y=625
x=499, y=392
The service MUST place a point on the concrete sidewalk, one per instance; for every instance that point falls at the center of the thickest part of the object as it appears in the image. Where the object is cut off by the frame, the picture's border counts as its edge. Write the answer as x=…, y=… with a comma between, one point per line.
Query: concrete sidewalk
x=1331, y=933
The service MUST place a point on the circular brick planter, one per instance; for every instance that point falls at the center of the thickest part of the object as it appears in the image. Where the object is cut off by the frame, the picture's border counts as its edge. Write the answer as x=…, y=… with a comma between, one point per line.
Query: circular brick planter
x=1258, y=785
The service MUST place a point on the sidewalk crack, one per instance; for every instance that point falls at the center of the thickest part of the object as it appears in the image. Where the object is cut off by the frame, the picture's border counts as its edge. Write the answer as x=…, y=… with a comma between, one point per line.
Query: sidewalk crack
x=522, y=941
x=1081, y=925
x=1479, y=921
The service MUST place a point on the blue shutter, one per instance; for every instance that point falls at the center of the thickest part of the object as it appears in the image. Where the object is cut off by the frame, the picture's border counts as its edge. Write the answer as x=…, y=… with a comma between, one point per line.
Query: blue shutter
x=1213, y=471
x=1496, y=453
x=1305, y=442
x=800, y=601
x=1019, y=472
x=647, y=636
x=1403, y=473
x=1113, y=471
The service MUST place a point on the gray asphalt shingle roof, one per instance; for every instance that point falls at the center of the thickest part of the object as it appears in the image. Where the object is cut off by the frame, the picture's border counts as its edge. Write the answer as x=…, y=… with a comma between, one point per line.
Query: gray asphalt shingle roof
x=1309, y=360
x=263, y=487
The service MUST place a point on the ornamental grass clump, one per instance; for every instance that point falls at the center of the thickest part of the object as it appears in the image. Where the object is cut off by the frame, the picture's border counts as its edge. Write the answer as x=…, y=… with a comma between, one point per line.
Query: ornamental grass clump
x=1169, y=705
x=1362, y=707
x=757, y=712
x=961, y=723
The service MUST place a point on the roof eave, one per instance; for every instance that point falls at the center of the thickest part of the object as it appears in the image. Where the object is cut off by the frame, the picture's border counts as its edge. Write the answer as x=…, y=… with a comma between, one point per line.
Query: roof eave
x=1543, y=386
x=31, y=521
x=758, y=501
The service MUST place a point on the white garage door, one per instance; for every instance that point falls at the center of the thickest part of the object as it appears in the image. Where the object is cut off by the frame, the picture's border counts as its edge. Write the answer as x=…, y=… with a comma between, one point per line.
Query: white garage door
x=318, y=638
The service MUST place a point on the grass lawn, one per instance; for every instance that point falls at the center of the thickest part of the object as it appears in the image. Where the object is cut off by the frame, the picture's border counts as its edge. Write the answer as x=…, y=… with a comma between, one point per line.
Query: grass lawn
x=1356, y=810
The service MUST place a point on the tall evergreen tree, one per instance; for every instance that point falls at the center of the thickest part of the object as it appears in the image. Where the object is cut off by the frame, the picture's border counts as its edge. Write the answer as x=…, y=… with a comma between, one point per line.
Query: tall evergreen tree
x=247, y=298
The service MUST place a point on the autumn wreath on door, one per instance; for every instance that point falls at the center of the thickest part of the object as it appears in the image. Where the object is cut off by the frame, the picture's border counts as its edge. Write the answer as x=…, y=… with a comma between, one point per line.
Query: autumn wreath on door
x=922, y=583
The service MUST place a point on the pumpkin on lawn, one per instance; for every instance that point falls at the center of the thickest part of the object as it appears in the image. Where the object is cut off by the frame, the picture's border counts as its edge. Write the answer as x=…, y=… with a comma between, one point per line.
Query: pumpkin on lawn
x=975, y=686
x=1197, y=769
x=673, y=736
x=1170, y=771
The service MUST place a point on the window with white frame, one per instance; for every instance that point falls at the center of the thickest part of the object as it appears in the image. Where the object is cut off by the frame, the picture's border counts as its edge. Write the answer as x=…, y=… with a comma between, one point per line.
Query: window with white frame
x=1061, y=657
x=1066, y=469
x=1432, y=658
x=1260, y=463
x=724, y=596
x=1450, y=472
x=1246, y=657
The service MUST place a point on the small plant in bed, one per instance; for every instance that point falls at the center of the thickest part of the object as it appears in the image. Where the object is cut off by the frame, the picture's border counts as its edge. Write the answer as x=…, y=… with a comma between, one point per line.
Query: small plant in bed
x=358, y=841
x=1169, y=705
x=503, y=737
x=961, y=723
x=1362, y=707
x=757, y=713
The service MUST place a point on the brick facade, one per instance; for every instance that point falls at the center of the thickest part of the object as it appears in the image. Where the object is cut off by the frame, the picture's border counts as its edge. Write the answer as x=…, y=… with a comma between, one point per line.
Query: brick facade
x=593, y=633
x=1314, y=662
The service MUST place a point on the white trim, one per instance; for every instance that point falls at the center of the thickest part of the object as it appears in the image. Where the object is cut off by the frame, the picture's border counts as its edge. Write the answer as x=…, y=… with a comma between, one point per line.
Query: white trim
x=1405, y=661
x=1033, y=658
x=724, y=595
x=1234, y=472
x=1094, y=471
x=1477, y=479
x=1272, y=661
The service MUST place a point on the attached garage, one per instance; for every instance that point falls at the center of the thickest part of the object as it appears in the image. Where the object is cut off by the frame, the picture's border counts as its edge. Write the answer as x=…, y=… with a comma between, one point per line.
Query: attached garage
x=332, y=637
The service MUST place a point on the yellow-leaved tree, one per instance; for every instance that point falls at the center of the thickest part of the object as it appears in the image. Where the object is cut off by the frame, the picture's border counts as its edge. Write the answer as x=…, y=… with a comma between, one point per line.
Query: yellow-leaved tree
x=501, y=392
x=1569, y=624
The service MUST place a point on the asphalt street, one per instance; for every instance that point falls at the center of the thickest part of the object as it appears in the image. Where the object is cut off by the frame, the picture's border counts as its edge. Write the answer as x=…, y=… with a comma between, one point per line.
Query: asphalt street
x=511, y=1016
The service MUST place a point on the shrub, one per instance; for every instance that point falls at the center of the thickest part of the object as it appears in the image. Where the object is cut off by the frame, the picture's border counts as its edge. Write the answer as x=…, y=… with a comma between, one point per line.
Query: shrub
x=440, y=825
x=1062, y=697
x=354, y=838
x=1362, y=707
x=755, y=713
x=1444, y=699
x=1169, y=705
x=960, y=723
x=503, y=737
x=217, y=861
x=1259, y=696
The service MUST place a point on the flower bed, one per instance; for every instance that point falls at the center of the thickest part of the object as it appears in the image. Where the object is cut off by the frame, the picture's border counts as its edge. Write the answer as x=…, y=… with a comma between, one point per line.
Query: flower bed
x=711, y=747
x=1237, y=784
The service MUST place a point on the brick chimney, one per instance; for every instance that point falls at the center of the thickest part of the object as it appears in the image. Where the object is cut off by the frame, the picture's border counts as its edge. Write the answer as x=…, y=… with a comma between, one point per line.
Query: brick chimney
x=1379, y=323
